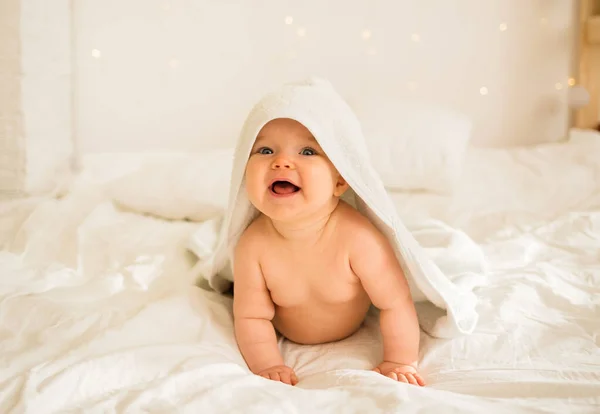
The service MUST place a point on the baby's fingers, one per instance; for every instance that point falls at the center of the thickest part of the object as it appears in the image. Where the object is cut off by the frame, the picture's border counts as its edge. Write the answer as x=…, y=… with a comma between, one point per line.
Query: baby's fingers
x=411, y=378
x=286, y=377
x=397, y=376
x=402, y=378
x=419, y=379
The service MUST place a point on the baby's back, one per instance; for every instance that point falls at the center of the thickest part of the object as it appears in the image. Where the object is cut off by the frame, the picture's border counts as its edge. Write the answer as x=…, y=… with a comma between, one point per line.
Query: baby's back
x=317, y=296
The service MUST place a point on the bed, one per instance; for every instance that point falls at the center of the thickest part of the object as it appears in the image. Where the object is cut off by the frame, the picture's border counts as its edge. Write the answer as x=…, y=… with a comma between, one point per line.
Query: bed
x=98, y=314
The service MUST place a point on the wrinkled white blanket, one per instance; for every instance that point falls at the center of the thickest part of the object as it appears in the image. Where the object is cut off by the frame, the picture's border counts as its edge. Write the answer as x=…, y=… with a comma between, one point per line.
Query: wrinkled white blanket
x=96, y=315
x=316, y=105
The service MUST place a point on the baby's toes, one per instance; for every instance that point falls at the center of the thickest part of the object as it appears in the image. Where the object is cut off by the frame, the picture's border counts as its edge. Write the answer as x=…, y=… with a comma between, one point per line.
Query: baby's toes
x=275, y=376
x=392, y=375
x=294, y=379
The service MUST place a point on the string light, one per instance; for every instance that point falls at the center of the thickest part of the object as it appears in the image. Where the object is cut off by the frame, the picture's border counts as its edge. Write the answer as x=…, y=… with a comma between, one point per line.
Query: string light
x=366, y=34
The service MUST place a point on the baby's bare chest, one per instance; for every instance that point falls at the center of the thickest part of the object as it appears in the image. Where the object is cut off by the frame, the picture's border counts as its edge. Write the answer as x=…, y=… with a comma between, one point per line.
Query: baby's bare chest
x=297, y=278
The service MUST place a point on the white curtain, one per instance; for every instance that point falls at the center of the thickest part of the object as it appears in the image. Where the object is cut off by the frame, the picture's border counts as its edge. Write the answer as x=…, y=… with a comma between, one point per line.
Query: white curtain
x=12, y=140
x=36, y=142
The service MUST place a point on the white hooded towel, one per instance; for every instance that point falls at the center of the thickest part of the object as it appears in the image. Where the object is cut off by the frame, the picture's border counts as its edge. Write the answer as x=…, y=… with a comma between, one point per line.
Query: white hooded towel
x=315, y=104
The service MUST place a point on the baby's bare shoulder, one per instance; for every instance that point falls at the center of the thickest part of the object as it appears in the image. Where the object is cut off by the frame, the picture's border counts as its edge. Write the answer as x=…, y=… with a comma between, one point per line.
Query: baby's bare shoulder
x=361, y=234
x=253, y=236
x=352, y=221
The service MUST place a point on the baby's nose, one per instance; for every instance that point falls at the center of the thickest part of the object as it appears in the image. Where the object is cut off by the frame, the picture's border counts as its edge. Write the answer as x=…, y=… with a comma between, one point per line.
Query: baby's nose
x=282, y=163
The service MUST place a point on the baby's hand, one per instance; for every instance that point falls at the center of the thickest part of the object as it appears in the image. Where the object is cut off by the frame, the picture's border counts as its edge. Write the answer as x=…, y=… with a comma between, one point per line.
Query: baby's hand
x=400, y=372
x=280, y=373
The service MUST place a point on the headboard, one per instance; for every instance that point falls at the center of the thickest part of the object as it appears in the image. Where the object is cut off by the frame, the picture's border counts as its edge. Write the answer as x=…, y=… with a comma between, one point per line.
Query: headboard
x=589, y=63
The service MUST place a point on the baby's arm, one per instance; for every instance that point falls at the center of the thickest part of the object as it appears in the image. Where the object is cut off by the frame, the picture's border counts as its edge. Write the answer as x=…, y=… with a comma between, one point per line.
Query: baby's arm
x=373, y=260
x=253, y=311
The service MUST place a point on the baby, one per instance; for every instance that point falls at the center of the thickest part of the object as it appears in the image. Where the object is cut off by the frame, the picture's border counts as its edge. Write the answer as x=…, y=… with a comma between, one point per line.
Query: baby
x=310, y=265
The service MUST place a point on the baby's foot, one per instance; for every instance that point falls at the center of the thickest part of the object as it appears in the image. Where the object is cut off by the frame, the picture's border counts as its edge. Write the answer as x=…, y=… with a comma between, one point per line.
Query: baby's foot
x=280, y=373
x=400, y=373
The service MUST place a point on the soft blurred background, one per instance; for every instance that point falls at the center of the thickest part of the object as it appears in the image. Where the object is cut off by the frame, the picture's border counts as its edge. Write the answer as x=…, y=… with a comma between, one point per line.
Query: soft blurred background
x=88, y=76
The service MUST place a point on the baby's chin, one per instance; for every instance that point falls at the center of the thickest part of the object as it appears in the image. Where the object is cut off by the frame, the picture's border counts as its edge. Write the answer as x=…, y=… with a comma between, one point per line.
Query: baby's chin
x=295, y=213
x=282, y=214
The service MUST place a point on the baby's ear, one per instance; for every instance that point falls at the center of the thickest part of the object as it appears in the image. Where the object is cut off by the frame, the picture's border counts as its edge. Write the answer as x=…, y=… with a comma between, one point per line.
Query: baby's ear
x=340, y=186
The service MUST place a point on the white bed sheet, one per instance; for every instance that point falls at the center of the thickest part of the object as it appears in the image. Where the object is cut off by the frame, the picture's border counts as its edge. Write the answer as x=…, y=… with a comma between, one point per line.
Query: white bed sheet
x=96, y=314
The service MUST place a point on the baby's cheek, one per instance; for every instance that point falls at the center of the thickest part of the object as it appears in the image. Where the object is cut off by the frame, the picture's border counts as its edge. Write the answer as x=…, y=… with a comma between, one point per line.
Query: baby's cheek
x=254, y=172
x=253, y=187
x=322, y=184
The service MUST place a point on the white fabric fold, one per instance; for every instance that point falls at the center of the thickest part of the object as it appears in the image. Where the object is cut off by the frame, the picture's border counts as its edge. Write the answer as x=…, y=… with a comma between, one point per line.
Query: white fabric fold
x=315, y=104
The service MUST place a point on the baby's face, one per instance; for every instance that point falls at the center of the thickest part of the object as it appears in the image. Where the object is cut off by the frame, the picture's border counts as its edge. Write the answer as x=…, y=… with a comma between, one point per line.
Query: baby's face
x=288, y=175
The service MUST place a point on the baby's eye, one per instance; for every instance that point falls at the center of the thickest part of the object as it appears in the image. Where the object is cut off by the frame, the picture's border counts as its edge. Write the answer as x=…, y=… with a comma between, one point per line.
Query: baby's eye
x=265, y=151
x=308, y=151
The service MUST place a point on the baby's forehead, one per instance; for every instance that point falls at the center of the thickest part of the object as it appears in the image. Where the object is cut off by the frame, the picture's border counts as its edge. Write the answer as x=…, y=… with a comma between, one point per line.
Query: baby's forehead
x=285, y=129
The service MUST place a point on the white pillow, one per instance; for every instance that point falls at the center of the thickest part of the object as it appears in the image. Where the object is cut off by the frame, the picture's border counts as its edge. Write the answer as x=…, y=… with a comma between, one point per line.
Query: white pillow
x=177, y=186
x=414, y=145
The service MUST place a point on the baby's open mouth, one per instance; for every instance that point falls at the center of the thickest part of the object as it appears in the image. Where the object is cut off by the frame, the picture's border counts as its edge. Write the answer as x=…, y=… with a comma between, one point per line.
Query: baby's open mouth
x=284, y=187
